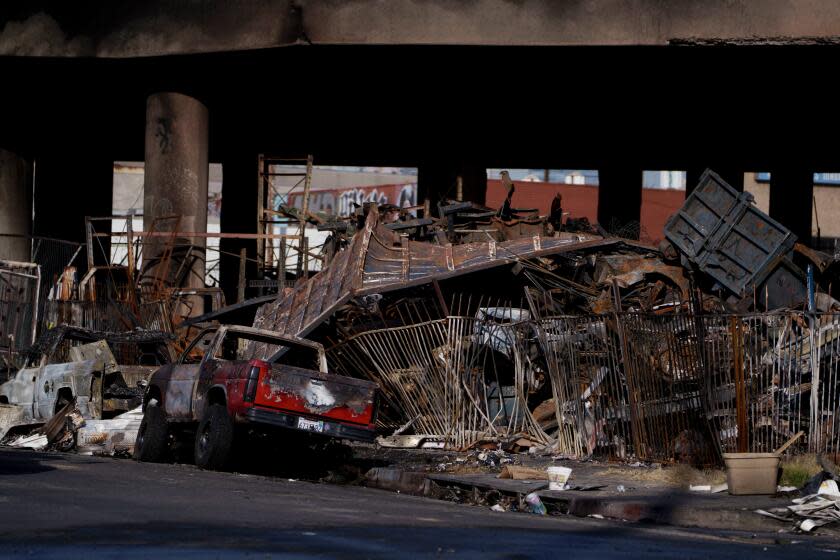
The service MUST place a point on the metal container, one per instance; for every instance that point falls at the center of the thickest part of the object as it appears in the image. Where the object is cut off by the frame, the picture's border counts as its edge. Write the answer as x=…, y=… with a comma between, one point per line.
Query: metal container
x=752, y=473
x=743, y=249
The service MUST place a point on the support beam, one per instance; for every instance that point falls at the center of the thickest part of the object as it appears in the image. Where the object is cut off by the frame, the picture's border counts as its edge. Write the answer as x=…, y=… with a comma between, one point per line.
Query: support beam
x=792, y=200
x=175, y=184
x=620, y=199
x=15, y=206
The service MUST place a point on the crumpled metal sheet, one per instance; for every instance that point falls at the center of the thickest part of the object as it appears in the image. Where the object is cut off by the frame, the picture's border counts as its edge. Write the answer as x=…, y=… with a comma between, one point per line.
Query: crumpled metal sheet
x=378, y=260
x=107, y=437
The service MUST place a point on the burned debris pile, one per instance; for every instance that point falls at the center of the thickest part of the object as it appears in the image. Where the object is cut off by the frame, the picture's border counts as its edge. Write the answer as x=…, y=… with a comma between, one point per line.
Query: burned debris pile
x=503, y=329
x=488, y=328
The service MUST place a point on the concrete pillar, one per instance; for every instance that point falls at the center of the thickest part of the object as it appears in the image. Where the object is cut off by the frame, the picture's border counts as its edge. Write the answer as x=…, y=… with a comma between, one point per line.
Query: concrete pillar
x=240, y=201
x=792, y=200
x=175, y=184
x=438, y=180
x=15, y=207
x=620, y=200
x=732, y=174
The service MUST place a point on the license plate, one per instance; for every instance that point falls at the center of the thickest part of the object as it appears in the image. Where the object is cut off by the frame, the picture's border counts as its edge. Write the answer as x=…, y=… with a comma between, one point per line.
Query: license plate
x=311, y=425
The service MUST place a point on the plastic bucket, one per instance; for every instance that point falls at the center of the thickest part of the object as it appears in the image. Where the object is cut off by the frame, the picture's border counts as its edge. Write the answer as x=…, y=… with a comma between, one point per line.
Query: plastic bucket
x=557, y=477
x=752, y=473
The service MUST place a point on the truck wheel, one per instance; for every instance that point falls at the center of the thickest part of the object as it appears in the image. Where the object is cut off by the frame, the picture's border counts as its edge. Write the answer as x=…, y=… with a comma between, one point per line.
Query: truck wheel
x=214, y=438
x=152, y=436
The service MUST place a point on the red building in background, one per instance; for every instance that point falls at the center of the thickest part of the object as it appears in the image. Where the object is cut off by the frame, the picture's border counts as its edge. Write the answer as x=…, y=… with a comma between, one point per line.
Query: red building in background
x=582, y=200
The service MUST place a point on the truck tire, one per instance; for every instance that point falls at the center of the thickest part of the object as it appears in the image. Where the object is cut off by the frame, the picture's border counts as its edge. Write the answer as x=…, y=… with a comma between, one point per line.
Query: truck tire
x=214, y=438
x=152, y=436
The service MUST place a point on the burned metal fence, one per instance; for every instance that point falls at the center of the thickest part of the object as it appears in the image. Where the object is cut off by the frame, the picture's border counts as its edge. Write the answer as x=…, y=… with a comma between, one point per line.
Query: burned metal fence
x=447, y=377
x=108, y=316
x=689, y=387
x=775, y=374
x=624, y=385
x=19, y=287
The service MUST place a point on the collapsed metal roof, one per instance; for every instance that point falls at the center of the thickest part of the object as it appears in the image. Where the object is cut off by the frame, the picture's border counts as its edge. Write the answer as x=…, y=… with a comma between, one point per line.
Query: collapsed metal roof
x=378, y=260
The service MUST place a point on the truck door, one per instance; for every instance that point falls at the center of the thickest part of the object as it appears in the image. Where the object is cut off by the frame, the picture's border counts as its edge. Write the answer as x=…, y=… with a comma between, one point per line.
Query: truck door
x=180, y=392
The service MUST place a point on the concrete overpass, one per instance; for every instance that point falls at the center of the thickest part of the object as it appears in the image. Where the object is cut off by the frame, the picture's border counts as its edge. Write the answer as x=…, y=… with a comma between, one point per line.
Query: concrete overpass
x=610, y=85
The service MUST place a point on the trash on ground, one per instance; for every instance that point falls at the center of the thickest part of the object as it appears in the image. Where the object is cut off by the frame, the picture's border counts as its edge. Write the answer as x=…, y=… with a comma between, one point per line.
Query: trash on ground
x=558, y=477
x=535, y=505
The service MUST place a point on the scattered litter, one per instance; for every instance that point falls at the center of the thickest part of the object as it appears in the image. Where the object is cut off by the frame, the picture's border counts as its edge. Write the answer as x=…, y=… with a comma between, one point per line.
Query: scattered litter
x=33, y=441
x=621, y=489
x=517, y=472
x=829, y=488
x=558, y=477
x=497, y=507
x=535, y=505
x=818, y=510
x=711, y=488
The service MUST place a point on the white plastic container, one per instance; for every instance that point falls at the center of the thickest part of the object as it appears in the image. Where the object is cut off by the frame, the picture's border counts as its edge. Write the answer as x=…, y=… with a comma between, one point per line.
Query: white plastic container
x=557, y=477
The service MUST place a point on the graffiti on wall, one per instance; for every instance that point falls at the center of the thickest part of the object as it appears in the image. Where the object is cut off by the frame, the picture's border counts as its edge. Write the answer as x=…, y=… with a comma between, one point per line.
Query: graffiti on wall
x=343, y=202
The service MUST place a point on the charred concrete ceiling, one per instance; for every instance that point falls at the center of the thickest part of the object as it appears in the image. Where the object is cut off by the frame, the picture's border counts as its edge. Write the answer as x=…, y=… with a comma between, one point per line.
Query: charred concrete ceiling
x=509, y=83
x=119, y=28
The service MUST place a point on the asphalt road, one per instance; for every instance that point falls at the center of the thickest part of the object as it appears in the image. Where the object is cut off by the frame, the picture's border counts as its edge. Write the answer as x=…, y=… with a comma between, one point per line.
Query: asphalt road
x=68, y=506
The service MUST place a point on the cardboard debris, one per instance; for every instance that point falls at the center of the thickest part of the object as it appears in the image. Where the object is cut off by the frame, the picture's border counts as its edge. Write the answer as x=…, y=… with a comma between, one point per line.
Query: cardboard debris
x=517, y=472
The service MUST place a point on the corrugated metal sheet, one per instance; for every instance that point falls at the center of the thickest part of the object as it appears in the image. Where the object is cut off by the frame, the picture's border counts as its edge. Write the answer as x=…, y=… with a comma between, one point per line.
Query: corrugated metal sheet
x=378, y=261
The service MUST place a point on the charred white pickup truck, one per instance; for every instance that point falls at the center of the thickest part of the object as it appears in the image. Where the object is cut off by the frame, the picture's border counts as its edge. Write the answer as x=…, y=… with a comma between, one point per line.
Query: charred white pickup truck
x=218, y=388
x=73, y=363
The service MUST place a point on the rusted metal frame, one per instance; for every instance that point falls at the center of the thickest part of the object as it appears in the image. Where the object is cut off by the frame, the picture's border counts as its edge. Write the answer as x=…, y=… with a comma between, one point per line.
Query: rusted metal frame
x=466, y=327
x=210, y=234
x=619, y=397
x=357, y=277
x=567, y=442
x=307, y=185
x=422, y=341
x=281, y=267
x=298, y=309
x=465, y=270
x=386, y=345
x=530, y=425
x=418, y=343
x=815, y=351
x=325, y=282
x=289, y=310
x=632, y=384
x=406, y=258
x=740, y=385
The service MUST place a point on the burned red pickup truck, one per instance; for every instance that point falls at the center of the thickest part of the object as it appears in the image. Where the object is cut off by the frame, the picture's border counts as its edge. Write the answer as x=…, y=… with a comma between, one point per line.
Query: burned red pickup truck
x=217, y=390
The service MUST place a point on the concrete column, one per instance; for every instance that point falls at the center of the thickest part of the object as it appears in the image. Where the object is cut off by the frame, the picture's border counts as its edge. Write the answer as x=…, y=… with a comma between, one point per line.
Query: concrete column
x=175, y=184
x=620, y=199
x=239, y=215
x=15, y=207
x=438, y=180
x=732, y=174
x=792, y=200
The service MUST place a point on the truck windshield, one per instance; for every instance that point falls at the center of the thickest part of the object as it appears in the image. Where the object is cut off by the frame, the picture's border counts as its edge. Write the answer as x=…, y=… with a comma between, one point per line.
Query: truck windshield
x=238, y=346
